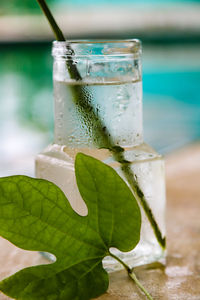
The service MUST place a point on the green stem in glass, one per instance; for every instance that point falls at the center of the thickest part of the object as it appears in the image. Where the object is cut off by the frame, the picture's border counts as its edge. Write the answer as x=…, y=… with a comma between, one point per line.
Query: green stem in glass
x=99, y=129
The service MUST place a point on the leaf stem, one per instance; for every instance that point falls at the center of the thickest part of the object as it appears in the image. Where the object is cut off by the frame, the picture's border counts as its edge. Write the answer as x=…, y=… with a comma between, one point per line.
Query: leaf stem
x=99, y=129
x=120, y=261
x=135, y=279
x=132, y=275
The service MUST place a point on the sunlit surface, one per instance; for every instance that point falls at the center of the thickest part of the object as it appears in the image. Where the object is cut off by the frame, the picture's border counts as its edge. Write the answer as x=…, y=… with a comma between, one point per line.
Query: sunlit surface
x=171, y=77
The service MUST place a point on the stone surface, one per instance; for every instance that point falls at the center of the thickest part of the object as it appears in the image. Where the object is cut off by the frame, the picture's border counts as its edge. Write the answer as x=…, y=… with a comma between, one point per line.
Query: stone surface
x=180, y=279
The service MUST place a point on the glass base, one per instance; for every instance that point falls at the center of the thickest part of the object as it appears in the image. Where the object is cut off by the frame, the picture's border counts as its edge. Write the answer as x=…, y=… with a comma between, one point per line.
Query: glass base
x=142, y=255
x=56, y=164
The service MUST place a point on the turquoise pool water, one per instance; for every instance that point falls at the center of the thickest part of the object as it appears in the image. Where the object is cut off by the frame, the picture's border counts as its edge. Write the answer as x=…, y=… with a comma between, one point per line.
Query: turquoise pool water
x=171, y=86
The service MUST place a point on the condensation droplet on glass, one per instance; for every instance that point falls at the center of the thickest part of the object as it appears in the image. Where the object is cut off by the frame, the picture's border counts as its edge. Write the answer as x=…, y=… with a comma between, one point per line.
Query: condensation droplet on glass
x=71, y=138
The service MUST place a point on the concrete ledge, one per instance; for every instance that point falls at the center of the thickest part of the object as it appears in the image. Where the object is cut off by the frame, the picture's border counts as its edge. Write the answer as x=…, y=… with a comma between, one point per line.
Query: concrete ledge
x=145, y=21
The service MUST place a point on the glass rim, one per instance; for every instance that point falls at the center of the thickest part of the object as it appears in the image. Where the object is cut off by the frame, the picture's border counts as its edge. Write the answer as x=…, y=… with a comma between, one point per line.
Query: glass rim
x=99, y=41
x=115, y=47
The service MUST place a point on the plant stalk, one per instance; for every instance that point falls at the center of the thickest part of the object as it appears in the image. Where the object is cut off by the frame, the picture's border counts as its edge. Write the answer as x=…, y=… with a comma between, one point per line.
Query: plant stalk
x=132, y=275
x=99, y=129
x=57, y=31
x=137, y=282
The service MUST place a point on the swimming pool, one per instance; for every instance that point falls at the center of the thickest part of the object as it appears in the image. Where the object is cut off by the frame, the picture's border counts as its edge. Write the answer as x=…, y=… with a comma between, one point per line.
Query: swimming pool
x=171, y=81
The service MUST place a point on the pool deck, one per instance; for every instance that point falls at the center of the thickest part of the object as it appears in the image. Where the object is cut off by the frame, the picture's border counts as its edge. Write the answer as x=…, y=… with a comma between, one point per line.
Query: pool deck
x=180, y=279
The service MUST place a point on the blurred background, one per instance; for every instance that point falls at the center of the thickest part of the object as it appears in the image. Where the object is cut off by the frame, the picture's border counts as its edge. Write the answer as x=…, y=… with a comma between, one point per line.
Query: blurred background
x=170, y=33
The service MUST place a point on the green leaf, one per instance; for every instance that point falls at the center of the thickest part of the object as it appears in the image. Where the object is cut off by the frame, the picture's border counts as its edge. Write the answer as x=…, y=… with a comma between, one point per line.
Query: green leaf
x=112, y=208
x=35, y=215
